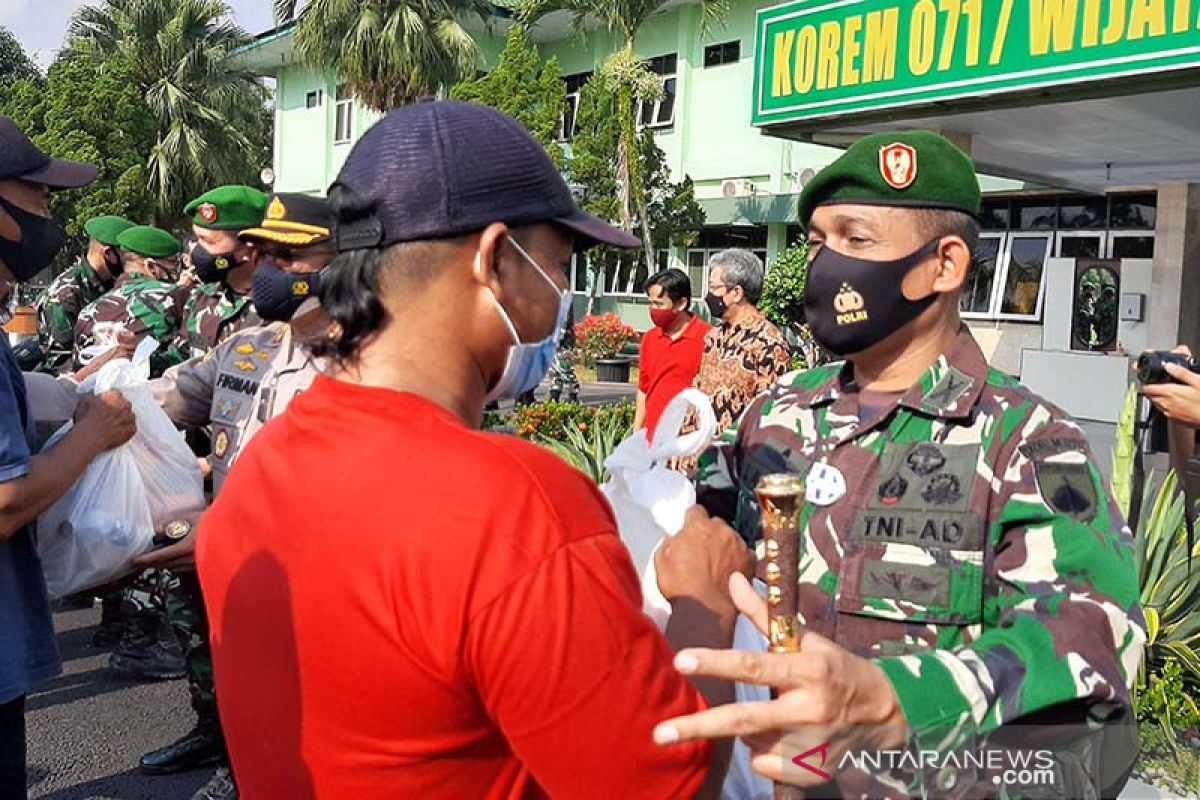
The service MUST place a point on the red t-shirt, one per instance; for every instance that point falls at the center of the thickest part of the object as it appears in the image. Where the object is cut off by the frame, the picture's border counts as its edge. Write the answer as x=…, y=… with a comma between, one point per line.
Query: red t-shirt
x=404, y=607
x=668, y=366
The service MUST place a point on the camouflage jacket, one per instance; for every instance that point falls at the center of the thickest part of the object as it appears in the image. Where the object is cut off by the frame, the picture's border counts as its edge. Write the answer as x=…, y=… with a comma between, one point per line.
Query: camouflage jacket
x=138, y=305
x=214, y=313
x=58, y=309
x=976, y=554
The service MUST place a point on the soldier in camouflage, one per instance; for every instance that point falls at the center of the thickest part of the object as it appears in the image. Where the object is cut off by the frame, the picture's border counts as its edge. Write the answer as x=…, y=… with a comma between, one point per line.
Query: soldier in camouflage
x=564, y=383
x=142, y=302
x=220, y=304
x=965, y=577
x=76, y=287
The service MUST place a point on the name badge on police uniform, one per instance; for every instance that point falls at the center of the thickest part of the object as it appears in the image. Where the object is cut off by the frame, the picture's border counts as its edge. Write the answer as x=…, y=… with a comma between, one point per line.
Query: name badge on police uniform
x=824, y=485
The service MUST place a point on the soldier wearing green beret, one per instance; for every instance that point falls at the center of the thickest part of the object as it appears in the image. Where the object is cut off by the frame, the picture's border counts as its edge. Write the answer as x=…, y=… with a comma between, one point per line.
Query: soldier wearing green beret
x=220, y=305
x=963, y=568
x=142, y=303
x=58, y=307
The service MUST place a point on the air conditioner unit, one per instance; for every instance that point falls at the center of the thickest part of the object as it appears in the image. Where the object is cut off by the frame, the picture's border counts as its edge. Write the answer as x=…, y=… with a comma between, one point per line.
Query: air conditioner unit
x=737, y=188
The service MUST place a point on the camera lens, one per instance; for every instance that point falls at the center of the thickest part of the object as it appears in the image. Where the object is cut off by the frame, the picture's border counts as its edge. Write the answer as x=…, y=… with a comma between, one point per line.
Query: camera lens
x=1148, y=367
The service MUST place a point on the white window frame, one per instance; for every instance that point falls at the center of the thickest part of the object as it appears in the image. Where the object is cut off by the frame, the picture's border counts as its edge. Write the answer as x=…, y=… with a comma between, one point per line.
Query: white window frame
x=572, y=99
x=1102, y=235
x=722, y=45
x=578, y=262
x=320, y=93
x=628, y=290
x=1001, y=256
x=1125, y=234
x=657, y=107
x=1002, y=276
x=343, y=106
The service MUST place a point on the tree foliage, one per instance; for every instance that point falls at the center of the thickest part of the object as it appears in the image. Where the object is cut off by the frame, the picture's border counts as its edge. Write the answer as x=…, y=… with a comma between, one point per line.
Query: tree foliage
x=391, y=52
x=672, y=214
x=529, y=90
x=15, y=63
x=213, y=122
x=98, y=115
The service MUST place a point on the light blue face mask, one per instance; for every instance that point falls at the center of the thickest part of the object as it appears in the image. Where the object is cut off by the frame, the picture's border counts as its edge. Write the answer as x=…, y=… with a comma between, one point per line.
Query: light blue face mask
x=529, y=362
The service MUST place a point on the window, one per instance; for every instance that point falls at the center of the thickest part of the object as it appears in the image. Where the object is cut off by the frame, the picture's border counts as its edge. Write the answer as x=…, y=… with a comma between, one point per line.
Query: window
x=314, y=98
x=1094, y=318
x=1035, y=215
x=994, y=215
x=628, y=275
x=662, y=260
x=716, y=55
x=574, y=84
x=1083, y=213
x=579, y=273
x=661, y=112
x=1132, y=211
x=1007, y=280
x=696, y=259
x=343, y=115
x=1131, y=245
x=1077, y=244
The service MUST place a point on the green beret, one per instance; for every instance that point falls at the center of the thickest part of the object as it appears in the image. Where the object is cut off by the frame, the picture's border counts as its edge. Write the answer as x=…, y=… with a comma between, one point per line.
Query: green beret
x=149, y=241
x=912, y=169
x=232, y=208
x=106, y=229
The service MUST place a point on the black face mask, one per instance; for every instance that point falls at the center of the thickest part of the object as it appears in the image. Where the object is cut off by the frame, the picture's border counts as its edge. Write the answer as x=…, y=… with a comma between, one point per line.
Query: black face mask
x=278, y=295
x=716, y=305
x=113, y=262
x=41, y=240
x=852, y=303
x=212, y=268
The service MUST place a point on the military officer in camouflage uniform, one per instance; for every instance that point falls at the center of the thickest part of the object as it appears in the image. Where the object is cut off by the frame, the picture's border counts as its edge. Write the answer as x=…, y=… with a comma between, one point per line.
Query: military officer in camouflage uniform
x=76, y=287
x=965, y=577
x=220, y=305
x=142, y=302
x=564, y=383
x=236, y=388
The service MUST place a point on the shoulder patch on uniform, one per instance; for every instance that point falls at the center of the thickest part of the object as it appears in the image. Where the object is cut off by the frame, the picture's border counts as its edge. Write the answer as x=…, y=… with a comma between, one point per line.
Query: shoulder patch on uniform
x=1039, y=449
x=946, y=393
x=915, y=583
x=1067, y=488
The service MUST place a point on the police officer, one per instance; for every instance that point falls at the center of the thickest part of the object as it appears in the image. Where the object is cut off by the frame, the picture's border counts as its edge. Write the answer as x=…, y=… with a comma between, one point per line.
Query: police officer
x=142, y=303
x=220, y=303
x=236, y=388
x=964, y=569
x=74, y=288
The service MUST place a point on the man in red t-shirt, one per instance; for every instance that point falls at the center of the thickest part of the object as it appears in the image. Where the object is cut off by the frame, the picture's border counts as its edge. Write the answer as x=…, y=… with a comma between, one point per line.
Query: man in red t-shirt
x=671, y=350
x=403, y=606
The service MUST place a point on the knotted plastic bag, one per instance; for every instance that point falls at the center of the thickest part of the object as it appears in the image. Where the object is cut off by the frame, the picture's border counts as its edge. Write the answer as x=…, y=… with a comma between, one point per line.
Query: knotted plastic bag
x=109, y=516
x=649, y=499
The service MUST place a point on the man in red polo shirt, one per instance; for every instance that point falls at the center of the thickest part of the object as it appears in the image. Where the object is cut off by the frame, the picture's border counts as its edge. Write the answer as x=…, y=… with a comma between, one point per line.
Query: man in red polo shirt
x=671, y=350
x=403, y=606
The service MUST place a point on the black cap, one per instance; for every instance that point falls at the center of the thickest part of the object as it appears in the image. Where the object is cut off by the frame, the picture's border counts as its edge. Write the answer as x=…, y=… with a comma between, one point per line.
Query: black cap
x=298, y=220
x=446, y=168
x=20, y=159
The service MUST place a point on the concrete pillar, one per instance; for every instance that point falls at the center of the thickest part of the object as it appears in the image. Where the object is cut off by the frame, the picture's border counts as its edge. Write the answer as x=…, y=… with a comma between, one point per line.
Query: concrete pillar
x=1174, y=304
x=959, y=139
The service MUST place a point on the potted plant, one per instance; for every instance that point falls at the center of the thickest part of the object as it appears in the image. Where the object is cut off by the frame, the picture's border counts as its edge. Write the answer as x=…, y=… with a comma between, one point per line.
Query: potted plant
x=599, y=340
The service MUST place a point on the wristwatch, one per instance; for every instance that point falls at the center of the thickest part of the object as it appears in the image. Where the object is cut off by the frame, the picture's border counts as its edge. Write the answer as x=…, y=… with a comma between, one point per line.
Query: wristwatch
x=177, y=529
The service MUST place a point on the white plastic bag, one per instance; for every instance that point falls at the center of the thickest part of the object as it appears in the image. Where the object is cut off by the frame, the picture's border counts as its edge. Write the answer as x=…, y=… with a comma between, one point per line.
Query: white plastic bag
x=649, y=499
x=109, y=516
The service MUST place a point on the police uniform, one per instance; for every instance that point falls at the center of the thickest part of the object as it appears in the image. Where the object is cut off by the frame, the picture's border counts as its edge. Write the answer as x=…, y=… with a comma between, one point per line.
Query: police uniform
x=962, y=536
x=234, y=389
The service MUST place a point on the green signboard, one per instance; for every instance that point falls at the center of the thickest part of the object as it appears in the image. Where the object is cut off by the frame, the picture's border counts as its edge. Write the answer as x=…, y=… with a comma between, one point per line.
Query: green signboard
x=817, y=59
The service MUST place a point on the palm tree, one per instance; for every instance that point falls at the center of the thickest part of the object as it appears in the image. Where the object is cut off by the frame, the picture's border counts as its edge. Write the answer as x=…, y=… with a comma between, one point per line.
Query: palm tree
x=390, y=52
x=212, y=116
x=628, y=77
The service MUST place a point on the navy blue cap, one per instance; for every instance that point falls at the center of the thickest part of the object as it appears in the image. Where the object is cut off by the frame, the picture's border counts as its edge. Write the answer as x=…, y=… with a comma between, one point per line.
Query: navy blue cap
x=438, y=169
x=20, y=158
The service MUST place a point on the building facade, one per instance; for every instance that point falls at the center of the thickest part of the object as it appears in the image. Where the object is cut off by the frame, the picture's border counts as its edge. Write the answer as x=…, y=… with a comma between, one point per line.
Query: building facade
x=749, y=165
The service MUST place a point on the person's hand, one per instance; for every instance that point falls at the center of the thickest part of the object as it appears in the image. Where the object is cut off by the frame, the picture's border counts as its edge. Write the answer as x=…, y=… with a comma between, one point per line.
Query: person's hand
x=106, y=419
x=124, y=348
x=696, y=562
x=187, y=277
x=205, y=467
x=176, y=557
x=1179, y=401
x=830, y=702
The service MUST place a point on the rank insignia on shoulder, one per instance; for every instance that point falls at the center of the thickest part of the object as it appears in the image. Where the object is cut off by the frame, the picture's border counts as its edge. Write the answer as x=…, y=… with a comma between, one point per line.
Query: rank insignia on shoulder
x=245, y=366
x=244, y=349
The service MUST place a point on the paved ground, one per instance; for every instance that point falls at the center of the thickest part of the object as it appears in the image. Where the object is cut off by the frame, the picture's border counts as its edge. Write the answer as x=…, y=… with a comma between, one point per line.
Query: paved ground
x=87, y=728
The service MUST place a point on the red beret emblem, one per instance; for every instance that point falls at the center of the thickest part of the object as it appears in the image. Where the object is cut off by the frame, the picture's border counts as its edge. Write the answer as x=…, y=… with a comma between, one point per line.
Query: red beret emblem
x=898, y=165
x=208, y=212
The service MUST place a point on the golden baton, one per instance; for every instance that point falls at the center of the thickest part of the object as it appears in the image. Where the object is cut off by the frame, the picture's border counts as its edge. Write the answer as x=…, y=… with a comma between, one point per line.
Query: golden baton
x=781, y=497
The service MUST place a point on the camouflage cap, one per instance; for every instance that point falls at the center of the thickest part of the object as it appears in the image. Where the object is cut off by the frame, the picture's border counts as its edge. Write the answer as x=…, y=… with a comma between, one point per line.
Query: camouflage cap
x=231, y=208
x=106, y=229
x=149, y=241
x=910, y=169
